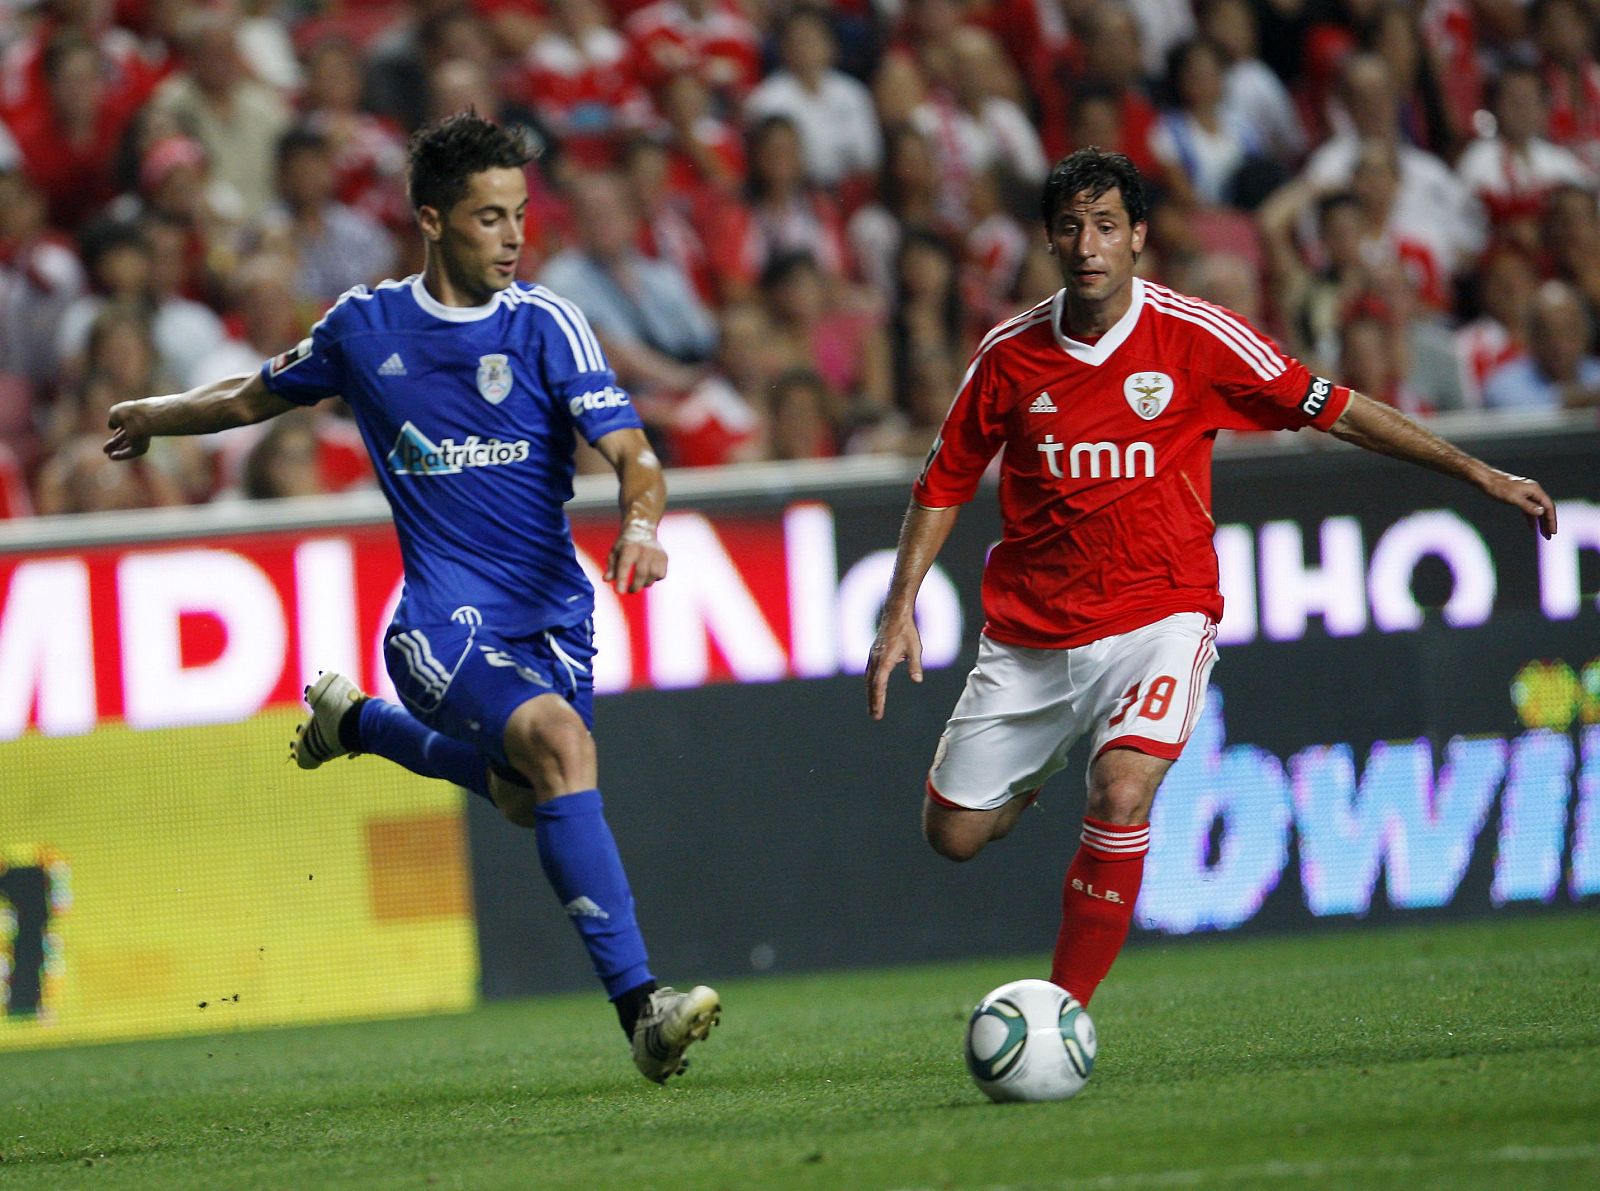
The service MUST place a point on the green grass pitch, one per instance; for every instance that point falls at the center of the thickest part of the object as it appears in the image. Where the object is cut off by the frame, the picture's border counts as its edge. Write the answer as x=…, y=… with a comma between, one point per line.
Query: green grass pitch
x=1451, y=1057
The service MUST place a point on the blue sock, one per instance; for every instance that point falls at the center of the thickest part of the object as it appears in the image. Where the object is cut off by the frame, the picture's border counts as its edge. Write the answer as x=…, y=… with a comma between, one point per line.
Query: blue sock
x=580, y=860
x=395, y=733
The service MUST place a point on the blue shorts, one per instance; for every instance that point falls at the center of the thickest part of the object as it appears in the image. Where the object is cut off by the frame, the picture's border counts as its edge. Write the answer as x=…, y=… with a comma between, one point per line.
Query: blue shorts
x=465, y=680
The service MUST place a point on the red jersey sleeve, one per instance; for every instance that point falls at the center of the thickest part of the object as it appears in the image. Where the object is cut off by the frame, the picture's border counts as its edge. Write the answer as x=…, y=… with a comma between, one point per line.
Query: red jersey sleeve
x=1259, y=387
x=973, y=431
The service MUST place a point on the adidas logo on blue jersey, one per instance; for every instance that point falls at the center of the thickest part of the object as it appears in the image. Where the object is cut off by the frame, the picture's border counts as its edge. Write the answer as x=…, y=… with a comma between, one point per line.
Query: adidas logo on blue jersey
x=414, y=454
x=393, y=366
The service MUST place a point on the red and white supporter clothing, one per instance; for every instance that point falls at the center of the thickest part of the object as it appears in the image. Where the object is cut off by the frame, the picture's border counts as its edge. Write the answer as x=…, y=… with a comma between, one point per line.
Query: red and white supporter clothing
x=1105, y=472
x=721, y=45
x=1512, y=183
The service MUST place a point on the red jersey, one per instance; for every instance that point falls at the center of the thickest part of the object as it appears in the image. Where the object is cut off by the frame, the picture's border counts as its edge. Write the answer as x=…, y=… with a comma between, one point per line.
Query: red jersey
x=1105, y=470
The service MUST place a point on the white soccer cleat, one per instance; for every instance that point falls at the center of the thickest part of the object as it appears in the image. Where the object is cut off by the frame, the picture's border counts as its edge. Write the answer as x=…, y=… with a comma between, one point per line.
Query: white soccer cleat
x=317, y=740
x=670, y=1023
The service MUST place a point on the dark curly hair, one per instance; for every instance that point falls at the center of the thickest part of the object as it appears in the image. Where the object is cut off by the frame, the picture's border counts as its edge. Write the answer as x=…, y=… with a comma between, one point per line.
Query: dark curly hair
x=1093, y=171
x=445, y=155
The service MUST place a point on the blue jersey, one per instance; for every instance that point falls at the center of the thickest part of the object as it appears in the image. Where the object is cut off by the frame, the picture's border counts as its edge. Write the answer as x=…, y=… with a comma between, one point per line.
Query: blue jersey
x=469, y=415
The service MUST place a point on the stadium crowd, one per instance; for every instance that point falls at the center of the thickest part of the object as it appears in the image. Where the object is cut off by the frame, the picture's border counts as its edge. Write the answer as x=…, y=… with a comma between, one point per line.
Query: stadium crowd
x=789, y=223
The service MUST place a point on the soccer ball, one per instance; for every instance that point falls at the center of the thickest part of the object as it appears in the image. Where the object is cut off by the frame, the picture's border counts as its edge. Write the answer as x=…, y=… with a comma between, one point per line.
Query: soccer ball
x=1030, y=1040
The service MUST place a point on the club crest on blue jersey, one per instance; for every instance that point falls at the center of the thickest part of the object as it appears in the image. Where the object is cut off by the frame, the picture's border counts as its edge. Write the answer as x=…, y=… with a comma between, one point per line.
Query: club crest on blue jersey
x=494, y=378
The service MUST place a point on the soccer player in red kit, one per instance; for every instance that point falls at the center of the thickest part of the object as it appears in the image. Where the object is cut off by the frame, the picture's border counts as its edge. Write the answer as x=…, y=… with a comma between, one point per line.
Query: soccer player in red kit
x=1101, y=600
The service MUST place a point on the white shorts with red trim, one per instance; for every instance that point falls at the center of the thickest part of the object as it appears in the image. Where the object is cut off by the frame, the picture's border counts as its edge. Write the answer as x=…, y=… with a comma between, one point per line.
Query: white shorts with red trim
x=1023, y=709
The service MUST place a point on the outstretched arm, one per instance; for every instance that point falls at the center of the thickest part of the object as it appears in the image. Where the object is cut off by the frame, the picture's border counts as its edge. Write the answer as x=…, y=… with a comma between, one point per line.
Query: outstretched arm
x=922, y=535
x=1381, y=428
x=637, y=559
x=220, y=405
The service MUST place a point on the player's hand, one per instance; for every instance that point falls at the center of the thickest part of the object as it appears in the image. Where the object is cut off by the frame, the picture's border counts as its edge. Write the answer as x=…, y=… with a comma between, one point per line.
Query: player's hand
x=637, y=559
x=897, y=641
x=1524, y=494
x=130, y=431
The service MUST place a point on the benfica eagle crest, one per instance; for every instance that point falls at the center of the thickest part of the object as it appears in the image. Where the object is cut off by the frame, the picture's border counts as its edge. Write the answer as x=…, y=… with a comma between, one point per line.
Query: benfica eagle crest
x=1148, y=393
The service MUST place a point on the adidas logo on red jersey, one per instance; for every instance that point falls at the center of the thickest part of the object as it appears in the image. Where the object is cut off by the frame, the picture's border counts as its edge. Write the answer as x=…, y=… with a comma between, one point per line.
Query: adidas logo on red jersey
x=1042, y=405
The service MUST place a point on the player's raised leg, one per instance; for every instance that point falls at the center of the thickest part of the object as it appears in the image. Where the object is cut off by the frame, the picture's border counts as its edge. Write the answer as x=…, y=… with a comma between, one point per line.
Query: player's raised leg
x=1102, y=883
x=957, y=833
x=344, y=722
x=549, y=745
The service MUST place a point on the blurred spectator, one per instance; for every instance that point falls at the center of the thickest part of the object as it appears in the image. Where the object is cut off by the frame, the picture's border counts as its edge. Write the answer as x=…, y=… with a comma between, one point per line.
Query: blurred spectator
x=1254, y=99
x=120, y=363
x=832, y=111
x=39, y=278
x=710, y=37
x=1038, y=278
x=335, y=246
x=974, y=128
x=1393, y=34
x=706, y=154
x=68, y=141
x=722, y=418
x=402, y=59
x=128, y=69
x=237, y=119
x=1202, y=151
x=1563, y=33
x=666, y=229
x=1312, y=290
x=848, y=349
x=123, y=266
x=1373, y=360
x=283, y=460
x=264, y=316
x=369, y=152
x=1506, y=285
x=1429, y=196
x=79, y=478
x=1571, y=240
x=1511, y=172
x=1113, y=65
x=1163, y=25
x=1418, y=238
x=185, y=329
x=993, y=250
x=578, y=77
x=644, y=311
x=801, y=427
x=784, y=215
x=1560, y=369
x=1228, y=281
x=926, y=323
x=907, y=197
x=265, y=47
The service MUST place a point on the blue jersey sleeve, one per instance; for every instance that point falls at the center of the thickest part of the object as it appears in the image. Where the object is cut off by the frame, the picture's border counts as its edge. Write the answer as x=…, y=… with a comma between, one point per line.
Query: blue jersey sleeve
x=576, y=372
x=313, y=368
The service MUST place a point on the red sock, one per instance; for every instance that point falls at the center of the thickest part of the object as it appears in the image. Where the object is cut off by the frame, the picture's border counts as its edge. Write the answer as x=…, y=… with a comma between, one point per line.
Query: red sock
x=1097, y=904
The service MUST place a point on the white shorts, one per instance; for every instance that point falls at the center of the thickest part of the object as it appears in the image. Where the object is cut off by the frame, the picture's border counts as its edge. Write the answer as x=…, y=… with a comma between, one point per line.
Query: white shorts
x=1023, y=709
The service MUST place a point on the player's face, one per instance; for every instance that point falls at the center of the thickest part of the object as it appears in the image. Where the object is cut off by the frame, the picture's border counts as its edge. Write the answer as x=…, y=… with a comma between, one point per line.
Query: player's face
x=1095, y=245
x=480, y=239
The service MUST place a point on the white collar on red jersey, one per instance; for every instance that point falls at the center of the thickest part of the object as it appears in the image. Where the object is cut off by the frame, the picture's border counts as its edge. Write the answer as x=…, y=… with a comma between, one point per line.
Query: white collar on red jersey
x=1098, y=352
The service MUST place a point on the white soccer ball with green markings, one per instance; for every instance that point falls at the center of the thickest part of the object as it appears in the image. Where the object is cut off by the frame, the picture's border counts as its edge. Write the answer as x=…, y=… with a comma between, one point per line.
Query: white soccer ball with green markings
x=1030, y=1040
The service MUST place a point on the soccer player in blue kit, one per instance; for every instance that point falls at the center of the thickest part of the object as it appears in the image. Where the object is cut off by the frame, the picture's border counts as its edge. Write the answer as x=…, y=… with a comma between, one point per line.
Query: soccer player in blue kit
x=469, y=388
